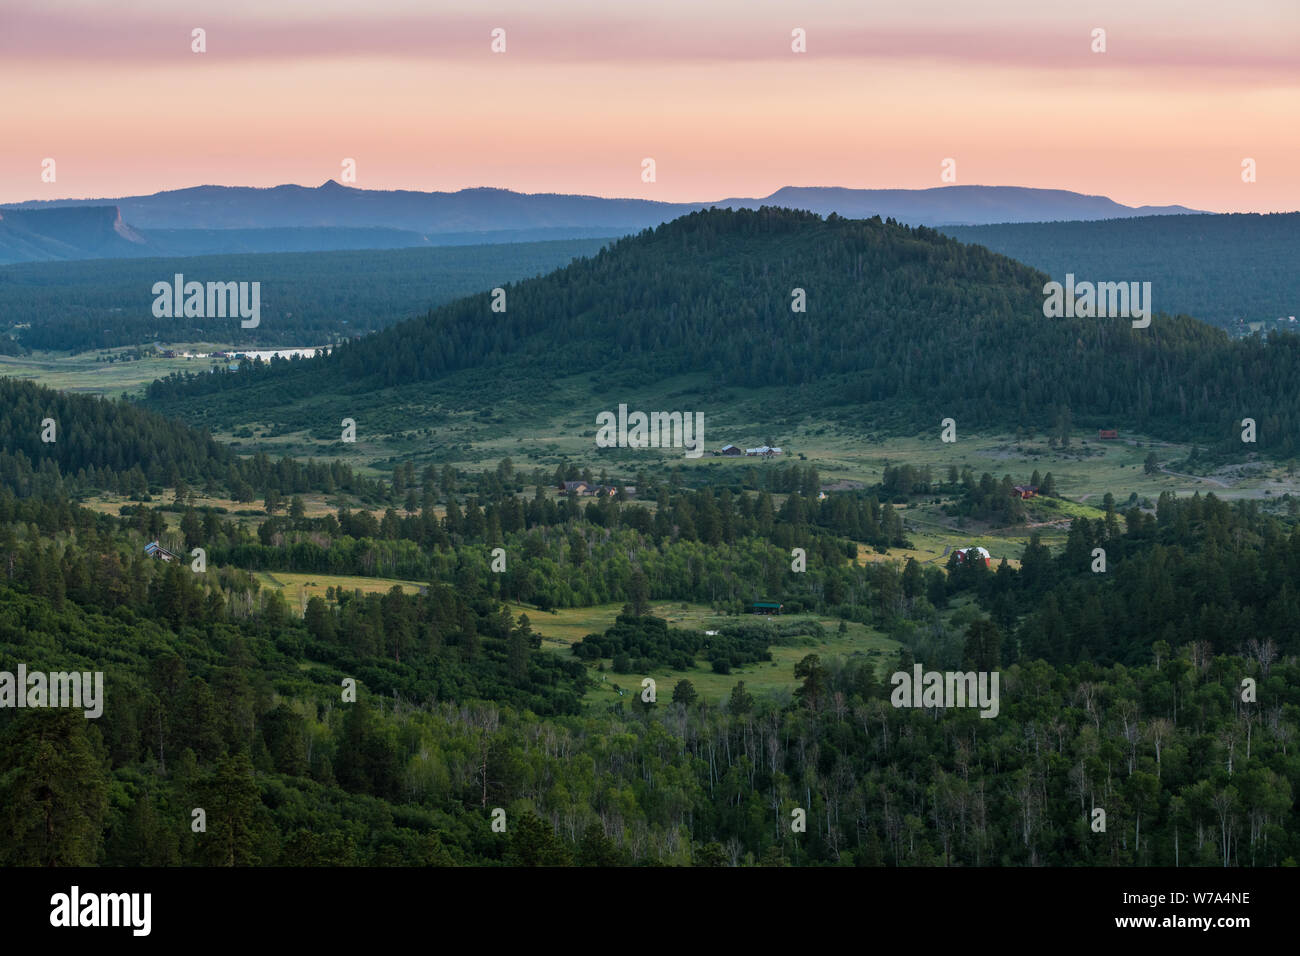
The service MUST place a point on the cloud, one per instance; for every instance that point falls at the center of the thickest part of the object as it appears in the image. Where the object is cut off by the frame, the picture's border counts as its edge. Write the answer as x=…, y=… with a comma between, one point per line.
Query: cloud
x=142, y=39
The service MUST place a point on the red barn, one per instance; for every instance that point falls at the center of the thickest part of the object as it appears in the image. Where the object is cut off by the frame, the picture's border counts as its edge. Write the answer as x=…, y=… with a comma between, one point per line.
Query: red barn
x=1107, y=434
x=975, y=554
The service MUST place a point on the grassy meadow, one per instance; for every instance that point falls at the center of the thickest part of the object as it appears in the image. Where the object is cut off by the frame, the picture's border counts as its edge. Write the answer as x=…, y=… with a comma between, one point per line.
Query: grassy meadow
x=298, y=589
x=560, y=630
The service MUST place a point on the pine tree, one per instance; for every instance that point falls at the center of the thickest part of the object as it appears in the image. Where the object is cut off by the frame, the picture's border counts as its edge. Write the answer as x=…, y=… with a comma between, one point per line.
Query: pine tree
x=53, y=791
x=231, y=801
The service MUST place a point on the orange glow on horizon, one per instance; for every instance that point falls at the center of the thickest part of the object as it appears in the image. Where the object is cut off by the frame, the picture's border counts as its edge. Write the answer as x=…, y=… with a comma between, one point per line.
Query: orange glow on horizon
x=1164, y=121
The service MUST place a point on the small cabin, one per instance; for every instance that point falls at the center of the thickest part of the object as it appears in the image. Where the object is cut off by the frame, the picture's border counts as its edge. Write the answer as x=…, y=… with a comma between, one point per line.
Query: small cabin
x=1107, y=434
x=766, y=607
x=156, y=550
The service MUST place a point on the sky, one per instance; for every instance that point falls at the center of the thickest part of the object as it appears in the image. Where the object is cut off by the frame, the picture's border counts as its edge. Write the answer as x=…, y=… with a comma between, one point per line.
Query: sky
x=711, y=90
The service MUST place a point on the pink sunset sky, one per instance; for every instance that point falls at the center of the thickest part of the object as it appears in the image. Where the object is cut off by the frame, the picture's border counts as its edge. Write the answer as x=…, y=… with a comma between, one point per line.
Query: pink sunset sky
x=709, y=88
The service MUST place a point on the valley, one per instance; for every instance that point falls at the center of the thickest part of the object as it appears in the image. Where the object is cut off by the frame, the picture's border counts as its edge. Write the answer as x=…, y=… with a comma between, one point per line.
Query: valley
x=425, y=519
x=440, y=444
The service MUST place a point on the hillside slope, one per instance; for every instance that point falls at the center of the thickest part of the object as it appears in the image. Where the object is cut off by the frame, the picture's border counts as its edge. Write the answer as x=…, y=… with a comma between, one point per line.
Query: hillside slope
x=55, y=443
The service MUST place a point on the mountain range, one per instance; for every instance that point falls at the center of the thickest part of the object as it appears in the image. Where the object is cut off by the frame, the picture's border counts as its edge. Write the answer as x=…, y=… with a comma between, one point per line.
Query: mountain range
x=207, y=220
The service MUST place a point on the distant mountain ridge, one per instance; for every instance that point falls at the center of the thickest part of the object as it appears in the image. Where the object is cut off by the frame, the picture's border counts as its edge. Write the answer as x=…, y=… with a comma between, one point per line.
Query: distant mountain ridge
x=956, y=205
x=205, y=220
x=80, y=232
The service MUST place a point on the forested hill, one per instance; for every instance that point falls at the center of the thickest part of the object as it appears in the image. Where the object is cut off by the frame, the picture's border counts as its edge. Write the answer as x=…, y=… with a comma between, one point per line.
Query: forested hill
x=904, y=324
x=54, y=443
x=76, y=432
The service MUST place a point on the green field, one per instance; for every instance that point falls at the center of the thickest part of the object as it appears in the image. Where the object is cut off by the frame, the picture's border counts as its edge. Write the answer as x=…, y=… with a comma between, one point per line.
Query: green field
x=86, y=372
x=313, y=506
x=563, y=628
x=298, y=589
